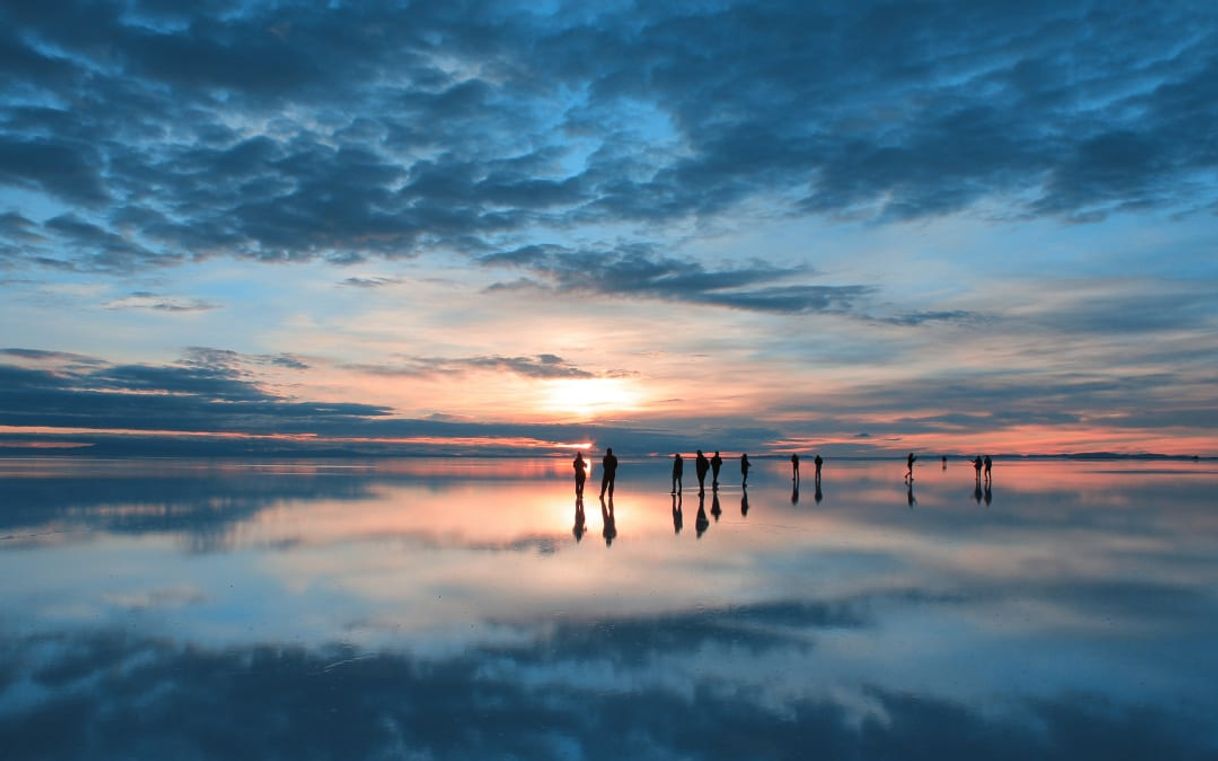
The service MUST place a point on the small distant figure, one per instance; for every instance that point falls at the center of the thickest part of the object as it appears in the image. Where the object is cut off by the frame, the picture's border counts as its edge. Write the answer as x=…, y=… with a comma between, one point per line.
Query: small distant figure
x=580, y=520
x=795, y=467
x=609, y=464
x=678, y=519
x=819, y=463
x=716, y=511
x=744, y=469
x=978, y=464
x=716, y=463
x=989, y=469
x=678, y=468
x=701, y=465
x=701, y=523
x=945, y=462
x=744, y=503
x=909, y=463
x=610, y=529
x=581, y=474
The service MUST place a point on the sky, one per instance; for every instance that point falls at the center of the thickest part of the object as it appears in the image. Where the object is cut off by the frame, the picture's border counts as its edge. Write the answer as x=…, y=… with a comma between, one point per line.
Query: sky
x=464, y=227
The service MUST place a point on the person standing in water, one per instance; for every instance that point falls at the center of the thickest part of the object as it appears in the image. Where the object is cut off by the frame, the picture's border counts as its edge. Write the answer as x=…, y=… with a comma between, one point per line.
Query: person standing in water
x=744, y=469
x=581, y=473
x=701, y=465
x=609, y=463
x=678, y=468
x=716, y=464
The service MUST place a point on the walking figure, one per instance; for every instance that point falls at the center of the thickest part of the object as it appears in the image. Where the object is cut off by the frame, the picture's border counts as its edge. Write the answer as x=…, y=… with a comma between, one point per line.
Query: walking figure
x=909, y=462
x=581, y=473
x=701, y=465
x=678, y=467
x=744, y=469
x=609, y=464
x=716, y=463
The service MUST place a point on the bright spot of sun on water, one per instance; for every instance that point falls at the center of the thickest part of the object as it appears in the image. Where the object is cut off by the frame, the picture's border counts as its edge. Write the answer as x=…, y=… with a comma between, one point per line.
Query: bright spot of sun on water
x=590, y=397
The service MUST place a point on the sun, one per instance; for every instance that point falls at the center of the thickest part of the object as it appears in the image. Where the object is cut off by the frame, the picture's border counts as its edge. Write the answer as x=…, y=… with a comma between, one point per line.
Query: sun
x=590, y=397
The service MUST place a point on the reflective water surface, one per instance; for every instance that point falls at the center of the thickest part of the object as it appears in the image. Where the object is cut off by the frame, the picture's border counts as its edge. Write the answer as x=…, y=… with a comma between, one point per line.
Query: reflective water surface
x=471, y=609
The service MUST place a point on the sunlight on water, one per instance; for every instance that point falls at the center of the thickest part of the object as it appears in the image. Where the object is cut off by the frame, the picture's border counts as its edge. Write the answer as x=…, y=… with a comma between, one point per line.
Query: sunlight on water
x=466, y=608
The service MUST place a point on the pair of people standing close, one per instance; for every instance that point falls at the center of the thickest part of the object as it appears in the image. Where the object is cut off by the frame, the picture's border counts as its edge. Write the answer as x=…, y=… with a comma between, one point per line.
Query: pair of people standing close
x=608, y=473
x=701, y=466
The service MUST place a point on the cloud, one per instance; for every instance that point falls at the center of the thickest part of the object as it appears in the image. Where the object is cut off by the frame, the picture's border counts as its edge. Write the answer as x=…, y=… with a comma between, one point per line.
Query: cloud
x=638, y=271
x=545, y=366
x=290, y=132
x=370, y=282
x=160, y=303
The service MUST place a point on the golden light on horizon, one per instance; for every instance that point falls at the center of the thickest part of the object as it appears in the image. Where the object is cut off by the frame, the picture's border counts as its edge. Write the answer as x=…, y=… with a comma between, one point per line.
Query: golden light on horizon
x=590, y=397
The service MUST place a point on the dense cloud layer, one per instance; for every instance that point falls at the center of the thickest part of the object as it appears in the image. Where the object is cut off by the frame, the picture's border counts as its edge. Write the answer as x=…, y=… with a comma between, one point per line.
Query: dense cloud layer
x=281, y=133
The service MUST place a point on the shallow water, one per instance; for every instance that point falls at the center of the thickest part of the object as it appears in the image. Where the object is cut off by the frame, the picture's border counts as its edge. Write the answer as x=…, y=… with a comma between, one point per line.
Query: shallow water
x=453, y=609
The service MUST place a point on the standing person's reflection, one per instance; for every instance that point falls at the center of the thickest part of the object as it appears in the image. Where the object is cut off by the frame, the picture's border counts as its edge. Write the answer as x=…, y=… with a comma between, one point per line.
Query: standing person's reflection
x=909, y=495
x=795, y=492
x=610, y=529
x=701, y=465
x=609, y=464
x=580, y=519
x=795, y=467
x=716, y=464
x=818, y=495
x=678, y=469
x=977, y=494
x=581, y=474
x=700, y=522
x=678, y=519
x=989, y=494
x=744, y=502
x=715, y=509
x=744, y=469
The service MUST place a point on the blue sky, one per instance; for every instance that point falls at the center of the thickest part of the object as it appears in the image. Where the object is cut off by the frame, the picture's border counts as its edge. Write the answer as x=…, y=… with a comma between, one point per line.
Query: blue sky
x=854, y=227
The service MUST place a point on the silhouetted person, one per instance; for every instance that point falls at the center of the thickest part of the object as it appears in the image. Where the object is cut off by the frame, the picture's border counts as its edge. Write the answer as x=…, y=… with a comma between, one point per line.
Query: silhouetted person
x=609, y=464
x=818, y=495
x=795, y=467
x=716, y=463
x=678, y=519
x=581, y=473
x=977, y=465
x=716, y=511
x=701, y=524
x=610, y=530
x=989, y=469
x=701, y=465
x=909, y=461
x=945, y=462
x=678, y=468
x=580, y=520
x=744, y=469
x=744, y=502
x=819, y=463
x=989, y=494
x=909, y=495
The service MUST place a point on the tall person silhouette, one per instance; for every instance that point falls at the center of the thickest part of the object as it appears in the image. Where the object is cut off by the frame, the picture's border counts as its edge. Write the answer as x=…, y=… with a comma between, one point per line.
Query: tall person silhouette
x=581, y=473
x=977, y=465
x=609, y=464
x=909, y=463
x=819, y=462
x=795, y=468
x=716, y=464
x=744, y=469
x=701, y=465
x=989, y=469
x=678, y=468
